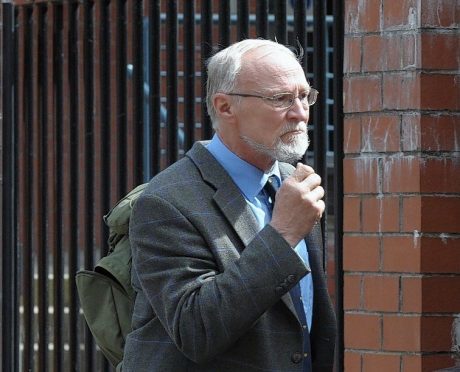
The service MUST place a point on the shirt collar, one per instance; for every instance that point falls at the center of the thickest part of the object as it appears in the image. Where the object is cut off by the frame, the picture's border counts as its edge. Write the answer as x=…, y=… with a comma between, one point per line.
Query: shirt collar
x=249, y=179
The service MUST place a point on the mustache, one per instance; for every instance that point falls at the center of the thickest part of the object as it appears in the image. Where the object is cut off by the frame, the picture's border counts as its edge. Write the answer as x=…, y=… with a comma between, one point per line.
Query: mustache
x=290, y=127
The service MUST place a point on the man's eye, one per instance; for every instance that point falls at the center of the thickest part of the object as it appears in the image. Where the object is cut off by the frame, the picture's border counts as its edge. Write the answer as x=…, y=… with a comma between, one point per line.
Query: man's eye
x=304, y=96
x=282, y=98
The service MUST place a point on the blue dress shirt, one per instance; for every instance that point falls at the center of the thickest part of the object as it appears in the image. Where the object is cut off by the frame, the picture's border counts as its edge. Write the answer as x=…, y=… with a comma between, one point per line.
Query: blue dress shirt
x=251, y=180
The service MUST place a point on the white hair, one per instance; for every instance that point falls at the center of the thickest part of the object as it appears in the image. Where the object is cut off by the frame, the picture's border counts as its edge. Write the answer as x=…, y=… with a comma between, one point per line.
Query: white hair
x=224, y=67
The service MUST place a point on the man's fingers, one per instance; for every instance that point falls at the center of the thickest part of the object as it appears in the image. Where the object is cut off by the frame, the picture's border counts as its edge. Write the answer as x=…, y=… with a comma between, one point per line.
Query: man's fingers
x=317, y=193
x=302, y=171
x=321, y=208
x=311, y=182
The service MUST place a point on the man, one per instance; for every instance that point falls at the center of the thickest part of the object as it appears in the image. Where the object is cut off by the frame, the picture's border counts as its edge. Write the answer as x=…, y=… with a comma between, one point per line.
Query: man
x=225, y=280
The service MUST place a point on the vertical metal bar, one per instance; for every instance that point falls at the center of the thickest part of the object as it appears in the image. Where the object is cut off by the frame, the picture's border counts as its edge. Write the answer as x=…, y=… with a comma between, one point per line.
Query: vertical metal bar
x=280, y=22
x=319, y=117
x=121, y=96
x=74, y=337
x=154, y=85
x=337, y=42
x=171, y=32
x=262, y=18
x=113, y=101
x=105, y=113
x=206, y=51
x=101, y=166
x=40, y=168
x=224, y=24
x=49, y=140
x=138, y=92
x=243, y=19
x=300, y=28
x=26, y=190
x=189, y=73
x=86, y=112
x=23, y=217
x=10, y=319
x=58, y=273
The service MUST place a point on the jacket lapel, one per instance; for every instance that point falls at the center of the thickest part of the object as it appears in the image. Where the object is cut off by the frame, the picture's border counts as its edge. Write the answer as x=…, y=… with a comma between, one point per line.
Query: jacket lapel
x=228, y=196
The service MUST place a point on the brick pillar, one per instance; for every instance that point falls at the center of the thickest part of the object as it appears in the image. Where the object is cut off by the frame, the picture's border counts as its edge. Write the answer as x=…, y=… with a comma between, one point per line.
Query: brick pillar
x=401, y=185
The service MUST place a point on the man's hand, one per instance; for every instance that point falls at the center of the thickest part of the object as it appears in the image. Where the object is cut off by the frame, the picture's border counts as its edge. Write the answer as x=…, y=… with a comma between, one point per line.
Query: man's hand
x=298, y=204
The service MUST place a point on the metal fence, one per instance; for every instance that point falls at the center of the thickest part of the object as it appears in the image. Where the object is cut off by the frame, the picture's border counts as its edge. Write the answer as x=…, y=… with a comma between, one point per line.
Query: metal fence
x=99, y=96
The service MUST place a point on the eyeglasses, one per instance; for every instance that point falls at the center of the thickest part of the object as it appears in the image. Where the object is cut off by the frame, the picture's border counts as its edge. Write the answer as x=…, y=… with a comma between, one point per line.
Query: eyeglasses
x=285, y=100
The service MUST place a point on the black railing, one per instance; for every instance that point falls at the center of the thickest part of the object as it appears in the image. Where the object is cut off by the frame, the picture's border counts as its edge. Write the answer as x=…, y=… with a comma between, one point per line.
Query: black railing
x=99, y=96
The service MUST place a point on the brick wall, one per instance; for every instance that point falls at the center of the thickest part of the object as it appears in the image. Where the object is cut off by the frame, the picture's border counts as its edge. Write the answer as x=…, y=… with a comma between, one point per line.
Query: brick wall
x=402, y=185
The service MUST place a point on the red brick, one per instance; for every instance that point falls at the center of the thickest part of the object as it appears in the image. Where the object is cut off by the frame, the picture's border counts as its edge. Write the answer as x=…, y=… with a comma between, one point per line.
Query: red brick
x=352, y=292
x=380, y=133
x=401, y=333
x=437, y=294
x=440, y=133
x=430, y=132
x=411, y=295
x=426, y=363
x=369, y=13
x=411, y=132
x=361, y=253
x=440, y=255
x=381, y=362
x=374, y=53
x=400, y=15
x=360, y=175
x=401, y=174
x=411, y=214
x=362, y=16
x=440, y=13
x=436, y=333
x=441, y=294
x=440, y=175
x=362, y=331
x=352, y=54
x=352, y=135
x=391, y=52
x=401, y=254
x=352, y=361
x=380, y=214
x=440, y=214
x=412, y=363
x=401, y=91
x=402, y=51
x=434, y=98
x=435, y=45
x=362, y=93
x=381, y=293
x=352, y=214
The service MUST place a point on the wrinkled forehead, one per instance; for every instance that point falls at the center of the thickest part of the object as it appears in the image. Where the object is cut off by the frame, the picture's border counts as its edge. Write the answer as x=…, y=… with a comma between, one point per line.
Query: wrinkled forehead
x=270, y=69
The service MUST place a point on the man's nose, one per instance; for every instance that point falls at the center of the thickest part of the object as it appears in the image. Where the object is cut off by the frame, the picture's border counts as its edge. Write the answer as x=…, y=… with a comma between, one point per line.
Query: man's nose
x=298, y=111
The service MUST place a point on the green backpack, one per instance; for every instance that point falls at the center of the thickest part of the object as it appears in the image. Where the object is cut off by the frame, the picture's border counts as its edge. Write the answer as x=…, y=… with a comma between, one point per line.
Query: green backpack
x=106, y=295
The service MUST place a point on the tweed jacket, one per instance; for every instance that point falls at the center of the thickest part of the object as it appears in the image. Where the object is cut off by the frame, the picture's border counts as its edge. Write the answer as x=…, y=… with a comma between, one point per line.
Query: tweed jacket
x=212, y=290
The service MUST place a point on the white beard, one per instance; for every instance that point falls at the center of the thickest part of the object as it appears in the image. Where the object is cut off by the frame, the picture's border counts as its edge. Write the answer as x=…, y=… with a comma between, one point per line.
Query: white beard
x=285, y=152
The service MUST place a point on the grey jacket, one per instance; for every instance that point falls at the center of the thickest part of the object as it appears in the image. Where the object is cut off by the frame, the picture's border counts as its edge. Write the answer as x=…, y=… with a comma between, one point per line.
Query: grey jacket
x=212, y=291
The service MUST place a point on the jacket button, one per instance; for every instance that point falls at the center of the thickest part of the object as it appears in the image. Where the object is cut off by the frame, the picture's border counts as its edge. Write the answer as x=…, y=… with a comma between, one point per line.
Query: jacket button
x=296, y=357
x=291, y=278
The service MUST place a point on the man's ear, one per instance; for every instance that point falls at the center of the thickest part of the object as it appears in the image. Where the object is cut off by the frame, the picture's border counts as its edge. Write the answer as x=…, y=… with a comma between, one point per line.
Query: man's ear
x=224, y=106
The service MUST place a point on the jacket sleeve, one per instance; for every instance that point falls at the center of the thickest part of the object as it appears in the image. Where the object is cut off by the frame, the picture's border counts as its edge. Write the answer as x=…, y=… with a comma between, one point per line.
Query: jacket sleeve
x=203, y=310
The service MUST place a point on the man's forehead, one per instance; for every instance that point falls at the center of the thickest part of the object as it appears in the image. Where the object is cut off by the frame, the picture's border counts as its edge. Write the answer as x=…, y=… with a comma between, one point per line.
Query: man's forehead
x=272, y=70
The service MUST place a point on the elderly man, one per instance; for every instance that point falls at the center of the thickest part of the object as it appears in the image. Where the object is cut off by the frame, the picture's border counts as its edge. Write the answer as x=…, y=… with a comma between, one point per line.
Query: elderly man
x=227, y=277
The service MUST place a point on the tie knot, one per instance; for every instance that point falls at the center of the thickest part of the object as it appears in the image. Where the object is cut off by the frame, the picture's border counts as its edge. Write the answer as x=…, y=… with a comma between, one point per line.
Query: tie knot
x=271, y=187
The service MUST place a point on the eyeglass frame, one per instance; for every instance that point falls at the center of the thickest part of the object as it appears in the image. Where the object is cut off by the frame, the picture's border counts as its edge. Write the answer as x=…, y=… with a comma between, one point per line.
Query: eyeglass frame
x=273, y=98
